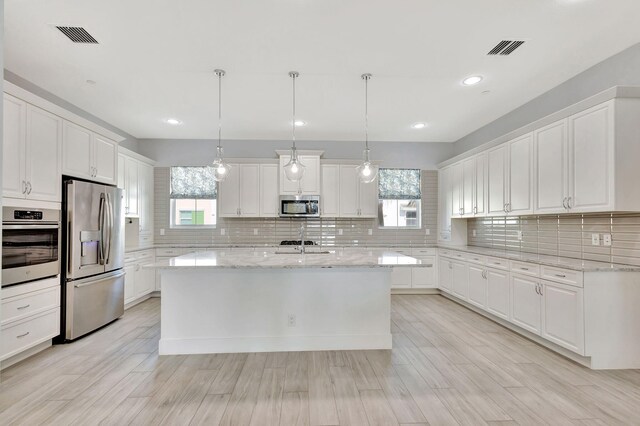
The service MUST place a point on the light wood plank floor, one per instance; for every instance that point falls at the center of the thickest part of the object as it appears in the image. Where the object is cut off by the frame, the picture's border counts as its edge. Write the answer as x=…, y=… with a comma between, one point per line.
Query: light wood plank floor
x=448, y=366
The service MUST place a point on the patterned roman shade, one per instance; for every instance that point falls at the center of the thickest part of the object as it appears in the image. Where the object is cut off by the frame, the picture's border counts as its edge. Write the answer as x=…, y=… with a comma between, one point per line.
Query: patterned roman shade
x=399, y=184
x=193, y=182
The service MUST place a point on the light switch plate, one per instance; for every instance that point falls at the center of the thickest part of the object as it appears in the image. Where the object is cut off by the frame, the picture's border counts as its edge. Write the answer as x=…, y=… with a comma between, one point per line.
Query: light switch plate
x=339, y=231
x=595, y=239
x=161, y=231
x=427, y=231
x=255, y=231
x=606, y=240
x=370, y=231
x=519, y=235
x=222, y=231
x=474, y=233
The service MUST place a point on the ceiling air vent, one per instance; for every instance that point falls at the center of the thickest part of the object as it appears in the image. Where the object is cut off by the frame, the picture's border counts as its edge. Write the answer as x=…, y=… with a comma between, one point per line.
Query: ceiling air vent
x=506, y=47
x=77, y=34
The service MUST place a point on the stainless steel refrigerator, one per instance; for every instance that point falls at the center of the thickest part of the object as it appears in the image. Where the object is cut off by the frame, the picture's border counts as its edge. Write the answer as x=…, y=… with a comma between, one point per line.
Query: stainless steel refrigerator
x=93, y=250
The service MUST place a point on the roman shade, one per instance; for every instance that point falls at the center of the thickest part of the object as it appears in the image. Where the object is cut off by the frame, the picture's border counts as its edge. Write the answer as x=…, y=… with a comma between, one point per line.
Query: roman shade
x=193, y=183
x=399, y=184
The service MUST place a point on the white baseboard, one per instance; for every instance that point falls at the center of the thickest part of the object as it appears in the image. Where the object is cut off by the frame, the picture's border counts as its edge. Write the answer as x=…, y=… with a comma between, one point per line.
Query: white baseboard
x=25, y=354
x=172, y=346
x=414, y=291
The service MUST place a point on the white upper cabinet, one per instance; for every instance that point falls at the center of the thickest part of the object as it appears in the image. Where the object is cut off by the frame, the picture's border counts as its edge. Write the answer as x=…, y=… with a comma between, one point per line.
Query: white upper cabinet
x=105, y=159
x=468, y=187
x=330, y=190
x=131, y=186
x=591, y=153
x=88, y=155
x=480, y=186
x=496, y=180
x=444, y=204
x=239, y=193
x=13, y=148
x=356, y=199
x=310, y=182
x=520, y=177
x=121, y=171
x=551, y=168
x=145, y=197
x=456, y=190
x=31, y=152
x=269, y=190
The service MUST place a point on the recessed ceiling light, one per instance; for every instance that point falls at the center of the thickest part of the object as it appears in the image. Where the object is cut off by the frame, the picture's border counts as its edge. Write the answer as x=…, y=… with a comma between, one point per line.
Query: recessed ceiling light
x=419, y=125
x=470, y=81
x=91, y=82
x=300, y=123
x=173, y=121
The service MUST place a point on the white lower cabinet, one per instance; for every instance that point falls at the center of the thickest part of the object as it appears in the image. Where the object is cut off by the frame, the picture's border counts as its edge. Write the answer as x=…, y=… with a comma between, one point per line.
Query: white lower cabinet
x=30, y=315
x=498, y=293
x=563, y=315
x=401, y=277
x=445, y=272
x=477, y=286
x=424, y=276
x=526, y=304
x=460, y=280
x=139, y=281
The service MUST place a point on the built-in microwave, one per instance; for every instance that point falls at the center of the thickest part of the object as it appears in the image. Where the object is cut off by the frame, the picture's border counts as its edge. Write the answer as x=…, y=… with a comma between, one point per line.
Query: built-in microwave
x=299, y=206
x=30, y=244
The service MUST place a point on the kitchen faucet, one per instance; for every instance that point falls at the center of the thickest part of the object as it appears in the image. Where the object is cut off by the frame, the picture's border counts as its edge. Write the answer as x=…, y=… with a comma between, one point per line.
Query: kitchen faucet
x=301, y=235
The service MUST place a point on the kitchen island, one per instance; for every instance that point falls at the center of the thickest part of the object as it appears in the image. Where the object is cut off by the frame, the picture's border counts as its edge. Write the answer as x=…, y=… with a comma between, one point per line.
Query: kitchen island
x=226, y=301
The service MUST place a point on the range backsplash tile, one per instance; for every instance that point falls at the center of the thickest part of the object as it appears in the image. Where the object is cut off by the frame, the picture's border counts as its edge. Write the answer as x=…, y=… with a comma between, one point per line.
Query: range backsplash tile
x=562, y=235
x=270, y=231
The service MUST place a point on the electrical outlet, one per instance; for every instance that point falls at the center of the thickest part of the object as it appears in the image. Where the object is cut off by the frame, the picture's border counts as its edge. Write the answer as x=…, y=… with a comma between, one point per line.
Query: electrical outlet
x=339, y=231
x=370, y=231
x=427, y=231
x=474, y=233
x=255, y=231
x=222, y=231
x=606, y=240
x=519, y=235
x=291, y=320
x=595, y=239
x=161, y=231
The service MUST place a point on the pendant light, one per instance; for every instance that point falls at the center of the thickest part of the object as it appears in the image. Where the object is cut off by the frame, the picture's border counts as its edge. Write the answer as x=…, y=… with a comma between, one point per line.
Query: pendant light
x=367, y=171
x=220, y=167
x=294, y=169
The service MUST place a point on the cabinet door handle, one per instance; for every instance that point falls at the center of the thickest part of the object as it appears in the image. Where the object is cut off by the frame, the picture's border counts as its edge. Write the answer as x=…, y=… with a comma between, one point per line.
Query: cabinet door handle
x=537, y=289
x=561, y=275
x=541, y=294
x=569, y=203
x=24, y=187
x=524, y=269
x=564, y=203
x=475, y=210
x=20, y=336
x=22, y=307
x=29, y=188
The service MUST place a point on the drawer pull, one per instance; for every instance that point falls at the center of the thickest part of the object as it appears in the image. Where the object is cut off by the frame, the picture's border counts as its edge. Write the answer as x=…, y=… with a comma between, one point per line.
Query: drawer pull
x=22, y=307
x=475, y=258
x=20, y=336
x=561, y=276
x=497, y=263
x=524, y=269
x=427, y=265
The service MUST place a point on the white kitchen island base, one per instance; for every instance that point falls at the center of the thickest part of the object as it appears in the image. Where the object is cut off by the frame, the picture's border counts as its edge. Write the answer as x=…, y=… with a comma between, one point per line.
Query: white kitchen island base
x=273, y=310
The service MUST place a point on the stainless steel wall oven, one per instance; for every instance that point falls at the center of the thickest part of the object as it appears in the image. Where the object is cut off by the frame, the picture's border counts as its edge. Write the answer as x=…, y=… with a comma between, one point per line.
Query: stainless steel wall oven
x=30, y=244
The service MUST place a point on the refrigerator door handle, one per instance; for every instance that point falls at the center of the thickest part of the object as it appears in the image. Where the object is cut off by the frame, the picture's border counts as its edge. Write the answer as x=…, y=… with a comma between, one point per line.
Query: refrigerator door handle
x=101, y=222
x=109, y=227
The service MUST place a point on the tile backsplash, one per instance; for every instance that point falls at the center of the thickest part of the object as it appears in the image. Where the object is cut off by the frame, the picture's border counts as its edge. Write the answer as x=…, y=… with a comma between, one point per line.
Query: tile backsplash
x=562, y=235
x=270, y=231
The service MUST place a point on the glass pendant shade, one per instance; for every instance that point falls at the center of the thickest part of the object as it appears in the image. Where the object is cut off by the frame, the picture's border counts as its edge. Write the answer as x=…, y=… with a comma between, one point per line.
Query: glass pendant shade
x=221, y=168
x=294, y=169
x=367, y=171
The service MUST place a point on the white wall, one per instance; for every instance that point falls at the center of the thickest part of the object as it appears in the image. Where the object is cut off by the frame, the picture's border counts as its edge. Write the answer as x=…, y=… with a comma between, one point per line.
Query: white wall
x=194, y=152
x=622, y=69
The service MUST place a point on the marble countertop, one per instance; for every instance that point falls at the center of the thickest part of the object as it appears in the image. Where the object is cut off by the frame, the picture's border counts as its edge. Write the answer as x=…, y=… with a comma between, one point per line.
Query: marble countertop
x=253, y=258
x=554, y=261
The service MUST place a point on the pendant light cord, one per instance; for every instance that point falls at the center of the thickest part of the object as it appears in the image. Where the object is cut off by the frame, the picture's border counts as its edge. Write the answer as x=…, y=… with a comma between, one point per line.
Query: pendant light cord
x=219, y=108
x=366, y=110
x=294, y=75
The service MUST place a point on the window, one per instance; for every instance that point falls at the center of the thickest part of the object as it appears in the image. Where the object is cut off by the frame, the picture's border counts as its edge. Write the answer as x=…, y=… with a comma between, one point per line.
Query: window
x=399, y=198
x=193, y=197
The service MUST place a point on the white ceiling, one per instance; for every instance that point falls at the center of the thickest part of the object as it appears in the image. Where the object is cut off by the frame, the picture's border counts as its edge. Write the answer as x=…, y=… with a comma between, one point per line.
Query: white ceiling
x=155, y=60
